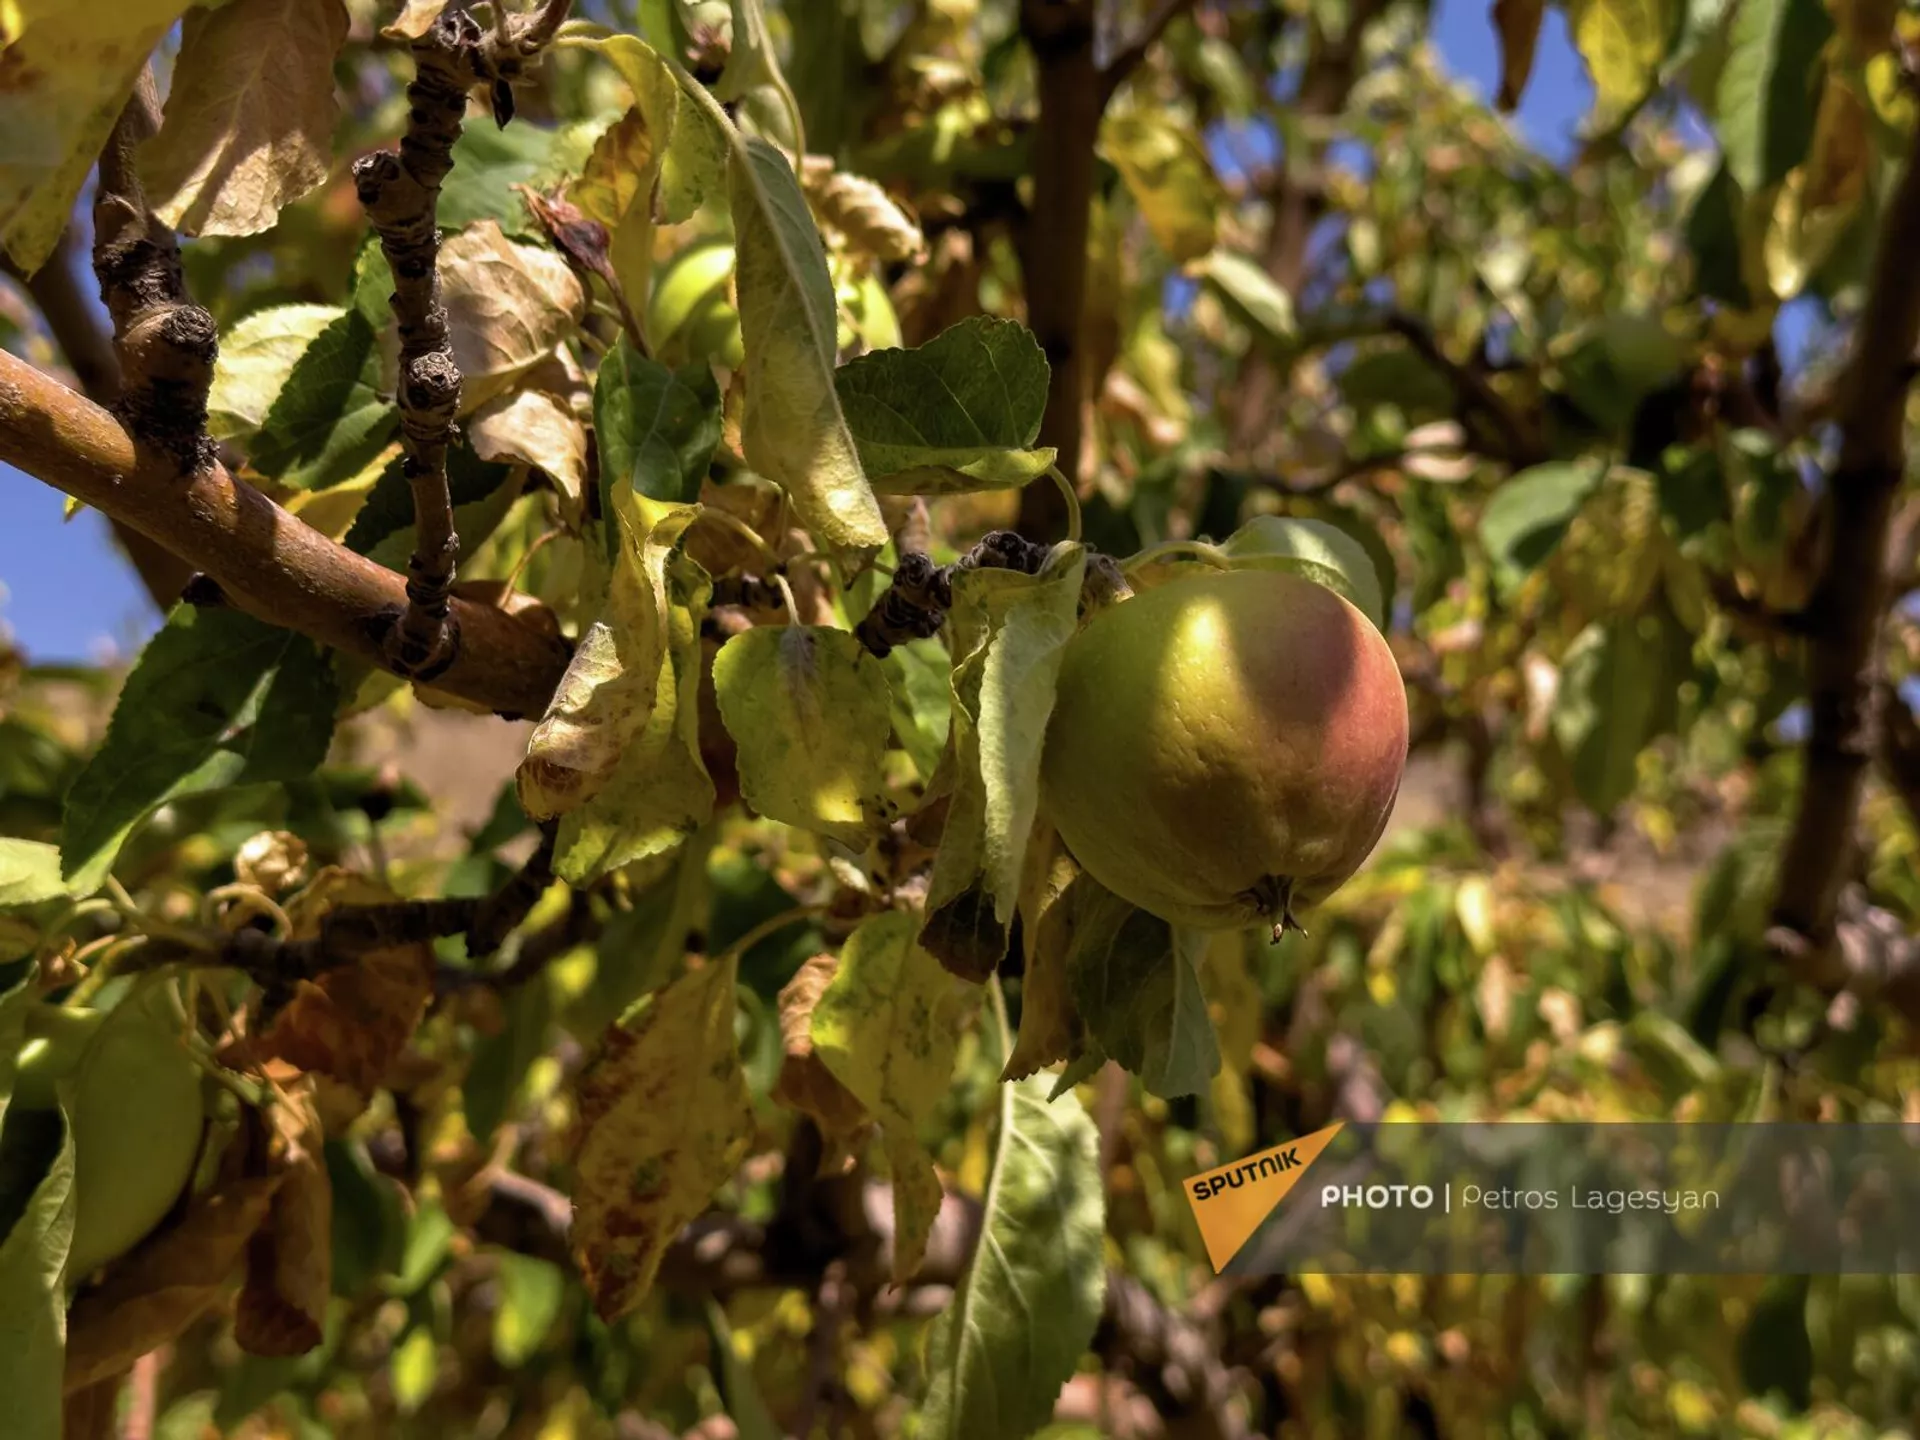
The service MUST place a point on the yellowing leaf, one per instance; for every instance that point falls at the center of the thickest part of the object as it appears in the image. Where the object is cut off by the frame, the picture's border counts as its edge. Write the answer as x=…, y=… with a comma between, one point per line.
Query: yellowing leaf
x=805, y=1083
x=68, y=69
x=1048, y=1025
x=256, y=358
x=508, y=305
x=1820, y=199
x=1623, y=43
x=689, y=147
x=792, y=428
x=1166, y=170
x=664, y=1119
x=808, y=708
x=887, y=1028
x=1518, y=24
x=608, y=692
x=250, y=116
x=865, y=215
x=1009, y=634
x=660, y=792
x=416, y=17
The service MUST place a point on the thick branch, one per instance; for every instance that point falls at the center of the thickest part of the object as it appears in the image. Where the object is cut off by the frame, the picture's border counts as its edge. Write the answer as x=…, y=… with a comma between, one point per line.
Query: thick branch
x=266, y=562
x=1850, y=599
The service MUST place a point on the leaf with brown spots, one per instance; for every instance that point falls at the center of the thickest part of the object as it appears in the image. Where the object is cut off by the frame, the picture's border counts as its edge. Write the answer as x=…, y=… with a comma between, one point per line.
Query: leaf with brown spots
x=176, y=1275
x=353, y=1021
x=664, y=1119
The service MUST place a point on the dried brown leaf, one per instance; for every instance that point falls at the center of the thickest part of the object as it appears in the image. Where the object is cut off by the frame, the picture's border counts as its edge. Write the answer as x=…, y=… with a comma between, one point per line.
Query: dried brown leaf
x=250, y=117
x=283, y=1303
x=1518, y=24
x=805, y=1084
x=175, y=1276
x=870, y=220
x=508, y=305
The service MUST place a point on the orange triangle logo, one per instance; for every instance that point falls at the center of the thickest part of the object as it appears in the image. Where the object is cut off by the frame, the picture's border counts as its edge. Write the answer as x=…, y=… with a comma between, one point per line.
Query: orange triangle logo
x=1230, y=1202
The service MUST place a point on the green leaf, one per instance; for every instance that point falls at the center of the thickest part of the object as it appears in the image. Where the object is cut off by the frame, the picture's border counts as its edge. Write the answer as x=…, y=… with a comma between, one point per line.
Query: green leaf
x=37, y=1204
x=29, y=872
x=1026, y=1309
x=1009, y=634
x=329, y=418
x=1713, y=235
x=791, y=425
x=414, y=1369
x=1616, y=694
x=1527, y=515
x=1165, y=169
x=739, y=1392
x=217, y=698
x=959, y=413
x=1769, y=92
x=383, y=527
x=531, y=1291
x=489, y=162
x=808, y=709
x=921, y=701
x=256, y=363
x=1322, y=552
x=692, y=145
x=656, y=428
x=1253, y=297
x=1137, y=991
x=1623, y=43
x=753, y=73
x=664, y=1120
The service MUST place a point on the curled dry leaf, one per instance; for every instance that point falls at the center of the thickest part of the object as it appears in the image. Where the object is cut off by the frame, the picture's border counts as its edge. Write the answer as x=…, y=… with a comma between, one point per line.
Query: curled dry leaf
x=508, y=305
x=805, y=1083
x=250, y=115
x=272, y=861
x=1518, y=23
x=870, y=220
x=176, y=1275
x=283, y=1302
x=352, y=1022
x=416, y=17
x=537, y=425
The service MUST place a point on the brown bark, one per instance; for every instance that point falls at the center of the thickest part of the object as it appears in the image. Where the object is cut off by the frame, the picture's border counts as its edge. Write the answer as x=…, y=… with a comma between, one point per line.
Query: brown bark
x=1851, y=597
x=265, y=561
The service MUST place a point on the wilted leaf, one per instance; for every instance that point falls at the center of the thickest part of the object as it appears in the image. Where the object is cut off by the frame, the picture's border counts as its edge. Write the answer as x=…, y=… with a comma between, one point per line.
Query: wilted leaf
x=37, y=1205
x=1528, y=514
x=808, y=709
x=250, y=115
x=656, y=428
x=1009, y=633
x=1623, y=43
x=610, y=687
x=283, y=1301
x=805, y=1083
x=508, y=305
x=69, y=70
x=1137, y=992
x=660, y=792
x=29, y=872
x=1765, y=104
x=690, y=148
x=956, y=414
x=216, y=699
x=1253, y=296
x=257, y=357
x=352, y=1022
x=1048, y=1024
x=534, y=427
x=664, y=1120
x=1027, y=1307
x=1166, y=170
x=865, y=215
x=173, y=1278
x=792, y=429
x=1518, y=25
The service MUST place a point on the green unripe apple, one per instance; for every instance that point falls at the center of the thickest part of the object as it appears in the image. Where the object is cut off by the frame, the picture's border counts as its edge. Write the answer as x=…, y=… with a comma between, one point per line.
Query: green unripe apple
x=136, y=1107
x=1226, y=746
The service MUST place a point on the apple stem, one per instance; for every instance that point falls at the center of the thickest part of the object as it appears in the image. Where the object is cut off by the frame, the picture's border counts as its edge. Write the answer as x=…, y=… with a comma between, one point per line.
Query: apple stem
x=1274, y=897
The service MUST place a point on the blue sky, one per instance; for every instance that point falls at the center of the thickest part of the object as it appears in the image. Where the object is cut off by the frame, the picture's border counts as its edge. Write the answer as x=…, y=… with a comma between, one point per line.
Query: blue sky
x=67, y=595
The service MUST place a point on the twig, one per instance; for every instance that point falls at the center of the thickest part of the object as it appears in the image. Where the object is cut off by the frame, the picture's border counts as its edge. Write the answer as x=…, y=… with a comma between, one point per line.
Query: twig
x=1127, y=59
x=165, y=344
x=1849, y=600
x=915, y=603
x=400, y=191
x=1520, y=445
x=1900, y=751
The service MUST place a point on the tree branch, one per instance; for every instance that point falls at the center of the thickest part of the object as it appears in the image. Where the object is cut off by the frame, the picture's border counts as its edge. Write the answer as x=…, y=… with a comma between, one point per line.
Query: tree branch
x=1850, y=598
x=400, y=191
x=267, y=562
x=166, y=345
x=1520, y=445
x=1128, y=58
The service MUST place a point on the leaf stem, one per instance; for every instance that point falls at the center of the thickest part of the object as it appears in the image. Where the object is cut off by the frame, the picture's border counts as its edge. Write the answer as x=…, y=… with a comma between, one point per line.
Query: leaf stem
x=786, y=595
x=1067, y=493
x=1197, y=549
x=997, y=1002
x=745, y=531
x=773, y=925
